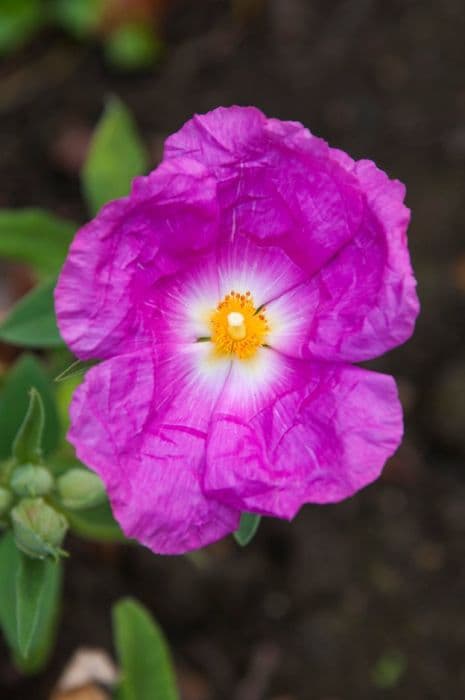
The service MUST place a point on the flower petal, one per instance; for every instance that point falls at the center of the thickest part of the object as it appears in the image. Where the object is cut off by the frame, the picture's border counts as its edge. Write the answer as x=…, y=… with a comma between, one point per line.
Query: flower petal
x=141, y=424
x=363, y=302
x=133, y=241
x=317, y=443
x=277, y=182
x=343, y=222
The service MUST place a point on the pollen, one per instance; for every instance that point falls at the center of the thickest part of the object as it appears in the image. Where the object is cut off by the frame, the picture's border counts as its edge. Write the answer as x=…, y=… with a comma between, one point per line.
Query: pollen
x=238, y=328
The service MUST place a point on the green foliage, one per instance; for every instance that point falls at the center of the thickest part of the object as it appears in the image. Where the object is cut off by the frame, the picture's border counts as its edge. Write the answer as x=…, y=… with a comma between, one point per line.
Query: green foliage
x=29, y=603
x=143, y=654
x=14, y=403
x=133, y=46
x=389, y=669
x=19, y=19
x=32, y=322
x=35, y=237
x=247, y=528
x=79, y=17
x=116, y=156
x=27, y=445
x=33, y=582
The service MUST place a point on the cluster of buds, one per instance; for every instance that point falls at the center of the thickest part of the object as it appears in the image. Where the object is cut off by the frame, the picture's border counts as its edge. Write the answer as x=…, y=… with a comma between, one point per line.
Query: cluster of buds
x=33, y=501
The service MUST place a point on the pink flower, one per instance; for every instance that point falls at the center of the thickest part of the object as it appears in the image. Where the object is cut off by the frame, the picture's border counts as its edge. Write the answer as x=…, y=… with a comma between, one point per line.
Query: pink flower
x=228, y=296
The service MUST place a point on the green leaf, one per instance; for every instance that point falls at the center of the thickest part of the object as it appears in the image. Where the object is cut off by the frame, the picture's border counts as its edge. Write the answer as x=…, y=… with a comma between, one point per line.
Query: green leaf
x=133, y=46
x=144, y=657
x=116, y=156
x=31, y=322
x=33, y=581
x=35, y=237
x=389, y=669
x=19, y=19
x=14, y=402
x=37, y=630
x=247, y=528
x=79, y=17
x=95, y=524
x=27, y=445
x=9, y=563
x=76, y=369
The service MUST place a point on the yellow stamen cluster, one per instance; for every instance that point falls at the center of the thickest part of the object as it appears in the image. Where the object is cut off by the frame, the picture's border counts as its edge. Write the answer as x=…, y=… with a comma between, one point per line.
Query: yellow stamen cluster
x=238, y=328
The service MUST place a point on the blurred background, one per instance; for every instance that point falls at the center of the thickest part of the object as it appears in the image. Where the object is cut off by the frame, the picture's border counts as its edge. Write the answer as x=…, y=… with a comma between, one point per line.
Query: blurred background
x=362, y=600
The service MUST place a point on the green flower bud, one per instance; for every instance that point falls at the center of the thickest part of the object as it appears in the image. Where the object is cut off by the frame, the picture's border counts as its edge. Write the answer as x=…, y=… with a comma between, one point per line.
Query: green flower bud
x=80, y=488
x=6, y=500
x=38, y=529
x=31, y=480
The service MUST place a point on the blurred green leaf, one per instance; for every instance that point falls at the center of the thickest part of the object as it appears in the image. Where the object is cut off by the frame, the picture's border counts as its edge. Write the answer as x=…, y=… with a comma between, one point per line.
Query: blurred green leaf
x=133, y=46
x=41, y=634
x=144, y=657
x=27, y=445
x=116, y=156
x=389, y=669
x=9, y=562
x=35, y=237
x=95, y=523
x=19, y=19
x=247, y=528
x=34, y=580
x=14, y=402
x=79, y=17
x=31, y=322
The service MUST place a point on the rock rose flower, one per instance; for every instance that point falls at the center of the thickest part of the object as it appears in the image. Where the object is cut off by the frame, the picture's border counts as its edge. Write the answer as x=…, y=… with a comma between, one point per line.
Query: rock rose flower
x=227, y=297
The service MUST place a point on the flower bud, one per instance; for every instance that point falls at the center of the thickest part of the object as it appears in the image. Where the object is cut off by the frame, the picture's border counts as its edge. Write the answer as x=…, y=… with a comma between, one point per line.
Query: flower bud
x=80, y=488
x=39, y=530
x=5, y=501
x=31, y=480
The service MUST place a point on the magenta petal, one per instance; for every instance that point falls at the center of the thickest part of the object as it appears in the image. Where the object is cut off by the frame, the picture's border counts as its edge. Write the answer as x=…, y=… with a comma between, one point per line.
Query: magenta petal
x=101, y=292
x=277, y=182
x=319, y=443
x=344, y=223
x=143, y=430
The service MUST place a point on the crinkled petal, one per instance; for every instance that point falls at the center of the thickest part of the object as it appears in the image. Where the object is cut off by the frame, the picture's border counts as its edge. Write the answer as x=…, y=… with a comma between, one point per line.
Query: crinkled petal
x=169, y=216
x=359, y=305
x=277, y=183
x=317, y=443
x=140, y=421
x=343, y=222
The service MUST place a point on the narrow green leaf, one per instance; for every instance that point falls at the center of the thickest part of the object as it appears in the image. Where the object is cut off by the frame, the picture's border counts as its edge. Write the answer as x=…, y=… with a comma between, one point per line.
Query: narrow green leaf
x=31, y=322
x=9, y=562
x=76, y=369
x=42, y=639
x=35, y=237
x=144, y=657
x=247, y=528
x=116, y=156
x=33, y=580
x=14, y=402
x=27, y=445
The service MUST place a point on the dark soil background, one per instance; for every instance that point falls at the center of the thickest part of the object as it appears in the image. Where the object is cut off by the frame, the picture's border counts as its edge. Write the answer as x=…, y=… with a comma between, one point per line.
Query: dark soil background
x=323, y=608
